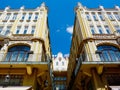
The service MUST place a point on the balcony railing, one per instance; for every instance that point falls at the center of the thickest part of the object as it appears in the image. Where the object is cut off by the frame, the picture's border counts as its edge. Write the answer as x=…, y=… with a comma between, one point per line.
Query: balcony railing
x=96, y=57
x=23, y=57
x=100, y=57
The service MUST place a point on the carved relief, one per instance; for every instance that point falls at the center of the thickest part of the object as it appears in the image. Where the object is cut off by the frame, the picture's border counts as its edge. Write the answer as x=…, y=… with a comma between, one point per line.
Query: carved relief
x=21, y=38
x=97, y=42
x=21, y=42
x=104, y=36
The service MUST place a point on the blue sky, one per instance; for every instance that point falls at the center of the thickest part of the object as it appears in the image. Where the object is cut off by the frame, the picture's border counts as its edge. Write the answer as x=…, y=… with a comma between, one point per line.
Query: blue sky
x=60, y=17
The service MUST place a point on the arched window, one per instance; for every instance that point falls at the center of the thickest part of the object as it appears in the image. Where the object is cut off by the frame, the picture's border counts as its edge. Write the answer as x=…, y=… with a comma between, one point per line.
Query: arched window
x=18, y=53
x=109, y=53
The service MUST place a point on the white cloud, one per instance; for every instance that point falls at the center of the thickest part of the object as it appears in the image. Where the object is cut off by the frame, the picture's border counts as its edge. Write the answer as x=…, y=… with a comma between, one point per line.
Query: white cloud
x=69, y=29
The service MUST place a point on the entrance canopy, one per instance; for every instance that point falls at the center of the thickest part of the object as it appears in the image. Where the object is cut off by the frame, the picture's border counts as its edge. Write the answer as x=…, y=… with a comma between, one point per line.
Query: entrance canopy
x=16, y=88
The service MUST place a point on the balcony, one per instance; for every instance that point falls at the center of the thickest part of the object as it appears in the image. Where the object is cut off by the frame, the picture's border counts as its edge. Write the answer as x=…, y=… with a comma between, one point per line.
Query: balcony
x=100, y=57
x=23, y=58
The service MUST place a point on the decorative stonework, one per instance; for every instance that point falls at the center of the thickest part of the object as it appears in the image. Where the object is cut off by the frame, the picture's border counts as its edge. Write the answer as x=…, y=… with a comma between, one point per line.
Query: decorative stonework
x=104, y=36
x=21, y=38
x=97, y=42
x=20, y=42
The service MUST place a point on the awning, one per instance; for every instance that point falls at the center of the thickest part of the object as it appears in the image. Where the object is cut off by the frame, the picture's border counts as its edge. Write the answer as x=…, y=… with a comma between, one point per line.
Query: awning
x=115, y=87
x=16, y=88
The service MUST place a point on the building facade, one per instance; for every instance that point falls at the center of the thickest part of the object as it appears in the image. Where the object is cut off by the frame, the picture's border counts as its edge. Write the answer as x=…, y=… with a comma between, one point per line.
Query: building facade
x=59, y=67
x=25, y=52
x=95, y=49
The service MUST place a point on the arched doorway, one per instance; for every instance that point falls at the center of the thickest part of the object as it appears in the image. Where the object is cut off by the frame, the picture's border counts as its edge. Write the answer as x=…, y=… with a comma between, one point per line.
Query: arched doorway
x=18, y=53
x=109, y=53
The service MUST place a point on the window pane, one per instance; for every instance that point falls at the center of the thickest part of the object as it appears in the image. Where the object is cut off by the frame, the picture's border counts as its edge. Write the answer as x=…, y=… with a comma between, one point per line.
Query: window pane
x=18, y=53
x=107, y=29
x=117, y=16
x=36, y=16
x=117, y=29
x=110, y=17
x=92, y=29
x=109, y=53
x=25, y=29
x=8, y=30
x=30, y=15
x=88, y=16
x=7, y=17
x=100, y=29
x=33, y=30
x=18, y=29
x=1, y=28
x=23, y=16
x=101, y=17
x=14, y=16
x=94, y=17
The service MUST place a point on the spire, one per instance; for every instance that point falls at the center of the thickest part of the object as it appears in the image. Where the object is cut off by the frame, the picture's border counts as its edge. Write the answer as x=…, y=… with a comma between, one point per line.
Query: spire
x=79, y=4
x=101, y=7
x=43, y=4
x=22, y=8
x=117, y=7
x=7, y=8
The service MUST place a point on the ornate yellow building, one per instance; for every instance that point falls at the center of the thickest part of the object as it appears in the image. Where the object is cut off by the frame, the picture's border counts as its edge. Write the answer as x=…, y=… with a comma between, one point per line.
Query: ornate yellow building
x=94, y=62
x=25, y=51
x=59, y=67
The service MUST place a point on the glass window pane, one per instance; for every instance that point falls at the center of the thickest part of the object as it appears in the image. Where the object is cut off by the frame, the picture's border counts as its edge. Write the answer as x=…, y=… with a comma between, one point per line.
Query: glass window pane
x=92, y=29
x=1, y=28
x=20, y=56
x=107, y=29
x=14, y=56
x=18, y=53
x=100, y=29
x=109, y=53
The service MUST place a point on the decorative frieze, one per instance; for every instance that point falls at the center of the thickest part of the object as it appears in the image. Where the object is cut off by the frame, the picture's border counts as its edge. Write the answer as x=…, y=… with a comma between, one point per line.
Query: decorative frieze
x=104, y=36
x=97, y=42
x=21, y=38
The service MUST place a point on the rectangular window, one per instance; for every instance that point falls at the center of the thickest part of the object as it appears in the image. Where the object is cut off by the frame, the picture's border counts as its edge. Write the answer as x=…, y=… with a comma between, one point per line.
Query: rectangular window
x=8, y=30
x=25, y=30
x=33, y=30
x=117, y=29
x=1, y=28
x=107, y=29
x=88, y=16
x=117, y=16
x=92, y=29
x=18, y=29
x=36, y=16
x=7, y=17
x=101, y=17
x=30, y=15
x=110, y=16
x=23, y=16
x=14, y=17
x=94, y=17
x=100, y=29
